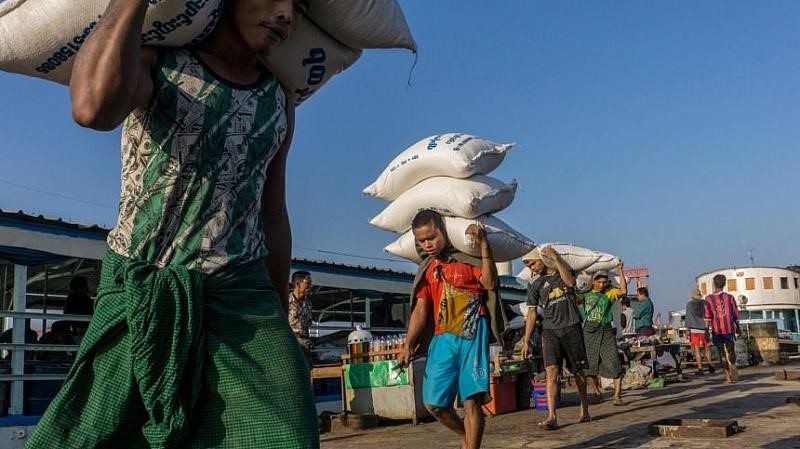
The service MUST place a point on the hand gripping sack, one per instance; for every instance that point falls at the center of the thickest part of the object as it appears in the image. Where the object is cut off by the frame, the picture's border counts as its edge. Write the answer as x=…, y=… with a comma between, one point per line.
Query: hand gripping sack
x=466, y=198
x=506, y=243
x=42, y=37
x=454, y=155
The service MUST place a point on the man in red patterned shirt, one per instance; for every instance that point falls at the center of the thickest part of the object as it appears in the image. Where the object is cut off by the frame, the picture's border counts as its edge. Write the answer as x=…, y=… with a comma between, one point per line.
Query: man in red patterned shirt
x=450, y=295
x=722, y=317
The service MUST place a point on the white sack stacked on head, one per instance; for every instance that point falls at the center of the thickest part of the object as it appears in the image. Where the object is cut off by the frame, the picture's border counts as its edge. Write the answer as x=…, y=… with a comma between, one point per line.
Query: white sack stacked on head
x=447, y=173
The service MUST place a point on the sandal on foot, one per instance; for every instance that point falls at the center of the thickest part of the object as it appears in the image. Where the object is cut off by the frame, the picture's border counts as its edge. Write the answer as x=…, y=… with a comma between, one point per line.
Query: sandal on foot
x=618, y=401
x=586, y=418
x=548, y=425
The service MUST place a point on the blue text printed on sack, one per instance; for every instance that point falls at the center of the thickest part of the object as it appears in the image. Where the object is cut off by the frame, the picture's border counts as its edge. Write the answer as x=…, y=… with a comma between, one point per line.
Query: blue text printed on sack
x=158, y=33
x=316, y=73
x=403, y=162
x=434, y=142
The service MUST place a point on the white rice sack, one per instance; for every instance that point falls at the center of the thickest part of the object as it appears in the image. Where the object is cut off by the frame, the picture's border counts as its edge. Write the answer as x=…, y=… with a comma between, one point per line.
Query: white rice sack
x=308, y=59
x=525, y=277
x=506, y=243
x=454, y=155
x=583, y=282
x=516, y=323
x=605, y=262
x=452, y=197
x=524, y=307
x=363, y=23
x=516, y=308
x=576, y=257
x=41, y=37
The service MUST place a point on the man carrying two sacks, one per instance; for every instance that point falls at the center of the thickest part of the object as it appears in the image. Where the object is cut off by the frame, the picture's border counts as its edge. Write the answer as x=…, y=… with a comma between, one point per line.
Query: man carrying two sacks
x=454, y=297
x=190, y=345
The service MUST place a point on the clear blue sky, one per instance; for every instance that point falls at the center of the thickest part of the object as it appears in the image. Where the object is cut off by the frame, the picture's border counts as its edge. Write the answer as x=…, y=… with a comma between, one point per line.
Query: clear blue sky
x=663, y=132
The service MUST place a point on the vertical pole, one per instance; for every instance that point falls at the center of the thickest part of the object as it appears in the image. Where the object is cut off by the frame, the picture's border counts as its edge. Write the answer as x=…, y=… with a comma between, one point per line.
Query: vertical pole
x=44, y=300
x=797, y=320
x=367, y=312
x=352, y=319
x=6, y=300
x=18, y=337
x=5, y=321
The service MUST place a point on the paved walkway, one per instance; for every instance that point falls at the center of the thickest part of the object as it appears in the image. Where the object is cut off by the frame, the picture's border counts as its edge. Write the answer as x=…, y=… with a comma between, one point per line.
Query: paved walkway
x=757, y=402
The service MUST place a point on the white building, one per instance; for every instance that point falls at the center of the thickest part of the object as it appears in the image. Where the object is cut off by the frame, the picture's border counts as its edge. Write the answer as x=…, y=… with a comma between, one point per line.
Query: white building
x=772, y=293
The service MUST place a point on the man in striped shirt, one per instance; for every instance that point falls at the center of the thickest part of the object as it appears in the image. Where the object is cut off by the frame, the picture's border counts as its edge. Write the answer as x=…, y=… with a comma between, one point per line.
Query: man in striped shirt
x=722, y=317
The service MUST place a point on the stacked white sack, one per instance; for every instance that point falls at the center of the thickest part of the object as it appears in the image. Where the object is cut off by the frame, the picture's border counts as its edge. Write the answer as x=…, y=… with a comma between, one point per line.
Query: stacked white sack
x=41, y=37
x=582, y=261
x=579, y=258
x=606, y=262
x=507, y=244
x=452, y=197
x=454, y=155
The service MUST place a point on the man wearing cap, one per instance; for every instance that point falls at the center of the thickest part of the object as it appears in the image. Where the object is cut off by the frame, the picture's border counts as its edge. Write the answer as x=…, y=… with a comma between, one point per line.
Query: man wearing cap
x=562, y=337
x=598, y=333
x=698, y=338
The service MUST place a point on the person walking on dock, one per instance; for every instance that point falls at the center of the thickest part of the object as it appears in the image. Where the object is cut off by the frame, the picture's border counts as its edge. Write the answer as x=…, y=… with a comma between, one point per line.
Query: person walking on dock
x=190, y=345
x=562, y=336
x=454, y=297
x=698, y=335
x=722, y=318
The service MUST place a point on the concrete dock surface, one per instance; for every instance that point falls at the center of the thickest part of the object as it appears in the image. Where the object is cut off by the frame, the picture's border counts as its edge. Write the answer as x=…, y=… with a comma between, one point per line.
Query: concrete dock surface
x=757, y=402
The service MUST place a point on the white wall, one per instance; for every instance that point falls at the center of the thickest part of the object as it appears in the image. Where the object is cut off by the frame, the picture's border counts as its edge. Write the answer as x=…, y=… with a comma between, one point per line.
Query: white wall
x=759, y=297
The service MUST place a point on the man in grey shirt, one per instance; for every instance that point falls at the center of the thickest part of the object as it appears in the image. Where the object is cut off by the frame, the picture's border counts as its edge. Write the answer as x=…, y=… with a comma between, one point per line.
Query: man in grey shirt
x=696, y=325
x=562, y=336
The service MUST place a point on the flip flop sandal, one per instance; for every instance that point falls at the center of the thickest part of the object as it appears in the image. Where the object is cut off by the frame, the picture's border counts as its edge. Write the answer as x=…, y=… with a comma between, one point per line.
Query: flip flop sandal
x=618, y=402
x=548, y=425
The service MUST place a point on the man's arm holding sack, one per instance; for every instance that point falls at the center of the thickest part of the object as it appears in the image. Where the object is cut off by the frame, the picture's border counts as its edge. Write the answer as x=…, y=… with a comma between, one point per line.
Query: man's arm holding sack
x=111, y=75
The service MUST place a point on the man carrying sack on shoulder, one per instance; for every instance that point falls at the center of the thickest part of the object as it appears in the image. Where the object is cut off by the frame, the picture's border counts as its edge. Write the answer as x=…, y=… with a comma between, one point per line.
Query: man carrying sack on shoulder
x=455, y=298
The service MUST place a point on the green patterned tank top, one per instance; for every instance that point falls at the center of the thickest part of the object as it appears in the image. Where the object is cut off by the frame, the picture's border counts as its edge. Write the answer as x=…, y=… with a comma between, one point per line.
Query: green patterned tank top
x=194, y=164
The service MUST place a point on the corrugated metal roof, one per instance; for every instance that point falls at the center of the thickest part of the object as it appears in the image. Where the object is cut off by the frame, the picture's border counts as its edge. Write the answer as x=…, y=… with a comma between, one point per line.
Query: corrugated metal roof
x=22, y=216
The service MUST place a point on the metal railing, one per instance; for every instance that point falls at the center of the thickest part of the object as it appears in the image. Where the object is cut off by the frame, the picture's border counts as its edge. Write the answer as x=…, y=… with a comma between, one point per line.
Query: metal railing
x=19, y=347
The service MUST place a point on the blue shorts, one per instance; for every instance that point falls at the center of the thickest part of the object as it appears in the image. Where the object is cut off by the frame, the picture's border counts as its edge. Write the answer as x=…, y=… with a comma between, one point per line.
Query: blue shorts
x=457, y=365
